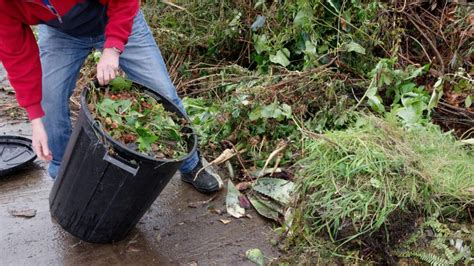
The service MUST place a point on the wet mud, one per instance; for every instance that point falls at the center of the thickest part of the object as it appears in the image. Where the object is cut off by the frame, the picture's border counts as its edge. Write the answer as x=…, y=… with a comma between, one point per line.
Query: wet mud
x=175, y=230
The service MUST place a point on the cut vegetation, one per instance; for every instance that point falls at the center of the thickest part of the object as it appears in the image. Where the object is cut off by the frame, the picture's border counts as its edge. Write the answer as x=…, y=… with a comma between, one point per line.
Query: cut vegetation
x=138, y=120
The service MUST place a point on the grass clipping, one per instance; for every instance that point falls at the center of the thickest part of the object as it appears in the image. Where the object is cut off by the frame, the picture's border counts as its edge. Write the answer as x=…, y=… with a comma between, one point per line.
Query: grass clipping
x=138, y=120
x=350, y=185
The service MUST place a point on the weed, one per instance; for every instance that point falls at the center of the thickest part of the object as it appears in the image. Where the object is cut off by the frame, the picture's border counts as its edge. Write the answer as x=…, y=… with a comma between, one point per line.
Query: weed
x=138, y=120
x=350, y=186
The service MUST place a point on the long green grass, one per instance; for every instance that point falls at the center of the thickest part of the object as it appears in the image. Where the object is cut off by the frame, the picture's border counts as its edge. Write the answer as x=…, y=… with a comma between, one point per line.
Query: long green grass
x=349, y=186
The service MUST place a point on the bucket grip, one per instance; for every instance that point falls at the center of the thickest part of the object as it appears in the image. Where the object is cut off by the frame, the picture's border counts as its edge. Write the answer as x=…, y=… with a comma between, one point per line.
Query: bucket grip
x=130, y=169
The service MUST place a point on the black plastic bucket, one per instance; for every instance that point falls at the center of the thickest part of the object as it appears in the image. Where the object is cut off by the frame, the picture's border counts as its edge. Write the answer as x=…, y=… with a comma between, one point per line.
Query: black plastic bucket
x=103, y=188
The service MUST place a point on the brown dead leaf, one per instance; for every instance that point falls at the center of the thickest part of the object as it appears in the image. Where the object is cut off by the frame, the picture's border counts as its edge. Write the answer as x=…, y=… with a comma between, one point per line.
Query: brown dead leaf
x=25, y=213
x=243, y=185
x=214, y=210
x=225, y=221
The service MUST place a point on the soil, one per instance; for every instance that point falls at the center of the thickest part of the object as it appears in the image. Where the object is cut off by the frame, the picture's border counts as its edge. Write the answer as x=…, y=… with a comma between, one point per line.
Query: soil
x=177, y=230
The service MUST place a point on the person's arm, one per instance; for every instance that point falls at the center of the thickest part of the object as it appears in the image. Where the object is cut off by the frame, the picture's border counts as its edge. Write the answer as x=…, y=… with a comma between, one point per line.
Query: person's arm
x=20, y=57
x=119, y=26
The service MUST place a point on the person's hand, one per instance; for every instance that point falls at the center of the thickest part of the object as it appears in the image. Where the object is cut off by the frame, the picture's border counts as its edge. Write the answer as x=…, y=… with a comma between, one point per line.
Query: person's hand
x=107, y=66
x=40, y=140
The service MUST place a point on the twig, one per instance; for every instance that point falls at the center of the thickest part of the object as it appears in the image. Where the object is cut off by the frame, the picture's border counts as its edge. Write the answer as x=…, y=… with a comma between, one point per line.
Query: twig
x=422, y=47
x=320, y=136
x=225, y=156
x=277, y=162
x=429, y=41
x=279, y=149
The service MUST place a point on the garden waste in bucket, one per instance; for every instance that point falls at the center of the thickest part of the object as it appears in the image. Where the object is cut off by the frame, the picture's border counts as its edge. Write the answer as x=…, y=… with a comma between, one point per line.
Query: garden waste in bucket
x=103, y=187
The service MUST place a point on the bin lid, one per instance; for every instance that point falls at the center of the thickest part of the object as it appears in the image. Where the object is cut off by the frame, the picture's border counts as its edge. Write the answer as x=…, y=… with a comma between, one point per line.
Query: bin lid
x=15, y=153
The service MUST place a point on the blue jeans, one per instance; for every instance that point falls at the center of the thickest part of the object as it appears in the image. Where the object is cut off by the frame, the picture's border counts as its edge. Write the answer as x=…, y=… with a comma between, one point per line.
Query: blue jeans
x=61, y=59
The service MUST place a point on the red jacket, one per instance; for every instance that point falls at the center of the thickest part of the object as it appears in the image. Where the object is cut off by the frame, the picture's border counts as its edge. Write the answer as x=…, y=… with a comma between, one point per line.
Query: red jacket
x=18, y=48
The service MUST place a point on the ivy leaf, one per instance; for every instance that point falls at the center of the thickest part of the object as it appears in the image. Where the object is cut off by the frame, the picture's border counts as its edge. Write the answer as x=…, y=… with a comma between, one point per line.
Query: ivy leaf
x=281, y=57
x=354, y=47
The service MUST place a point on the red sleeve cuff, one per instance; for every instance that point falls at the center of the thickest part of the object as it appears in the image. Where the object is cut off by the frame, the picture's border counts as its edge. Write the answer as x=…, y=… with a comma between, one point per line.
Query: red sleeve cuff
x=111, y=43
x=34, y=111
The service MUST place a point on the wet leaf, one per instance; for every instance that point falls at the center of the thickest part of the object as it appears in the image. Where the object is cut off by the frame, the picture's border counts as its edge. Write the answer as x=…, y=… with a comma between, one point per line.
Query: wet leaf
x=243, y=185
x=275, y=188
x=262, y=209
x=25, y=213
x=256, y=256
x=232, y=201
x=244, y=202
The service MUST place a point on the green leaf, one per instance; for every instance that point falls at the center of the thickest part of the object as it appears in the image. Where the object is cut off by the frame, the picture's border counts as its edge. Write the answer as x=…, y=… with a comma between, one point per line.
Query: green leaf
x=255, y=114
x=269, y=110
x=286, y=110
x=468, y=101
x=437, y=94
x=417, y=72
x=261, y=43
x=310, y=48
x=375, y=103
x=354, y=47
x=256, y=256
x=263, y=209
x=281, y=57
x=119, y=84
x=275, y=188
x=409, y=114
x=303, y=17
x=232, y=201
x=145, y=139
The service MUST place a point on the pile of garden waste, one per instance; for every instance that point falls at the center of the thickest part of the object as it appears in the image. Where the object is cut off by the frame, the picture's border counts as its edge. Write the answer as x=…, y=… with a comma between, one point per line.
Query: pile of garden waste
x=138, y=120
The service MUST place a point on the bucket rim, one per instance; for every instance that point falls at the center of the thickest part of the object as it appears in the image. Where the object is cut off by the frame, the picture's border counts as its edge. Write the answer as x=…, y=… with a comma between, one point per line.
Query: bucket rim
x=119, y=145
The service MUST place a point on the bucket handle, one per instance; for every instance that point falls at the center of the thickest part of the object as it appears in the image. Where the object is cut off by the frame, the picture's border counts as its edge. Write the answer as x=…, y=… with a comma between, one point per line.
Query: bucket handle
x=121, y=165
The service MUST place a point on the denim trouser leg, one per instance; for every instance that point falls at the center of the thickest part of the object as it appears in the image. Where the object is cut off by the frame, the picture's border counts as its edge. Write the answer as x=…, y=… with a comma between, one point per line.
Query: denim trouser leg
x=61, y=58
x=143, y=63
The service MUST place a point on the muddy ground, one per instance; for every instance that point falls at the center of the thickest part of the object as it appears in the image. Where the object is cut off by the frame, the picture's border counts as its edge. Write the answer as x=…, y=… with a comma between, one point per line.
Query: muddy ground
x=170, y=233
